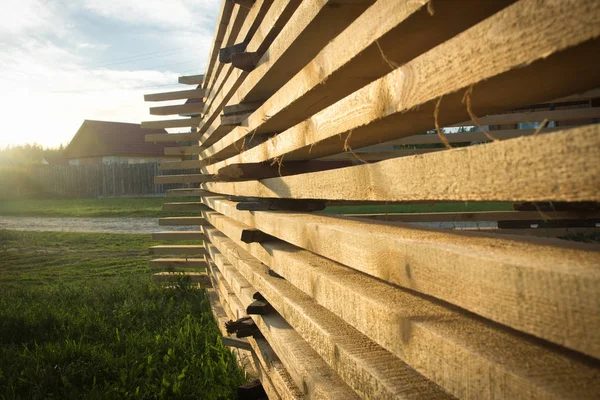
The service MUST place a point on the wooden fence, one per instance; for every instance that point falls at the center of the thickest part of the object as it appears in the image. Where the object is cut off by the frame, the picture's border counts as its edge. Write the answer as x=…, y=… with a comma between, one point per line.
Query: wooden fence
x=87, y=181
x=306, y=104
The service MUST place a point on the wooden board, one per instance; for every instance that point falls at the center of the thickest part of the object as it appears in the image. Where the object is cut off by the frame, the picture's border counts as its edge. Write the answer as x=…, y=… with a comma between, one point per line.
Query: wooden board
x=306, y=368
x=391, y=107
x=536, y=116
x=448, y=346
x=237, y=21
x=190, y=108
x=222, y=23
x=184, y=206
x=233, y=120
x=178, y=263
x=476, y=173
x=183, y=150
x=178, y=235
x=537, y=232
x=186, y=164
x=478, y=216
x=241, y=108
x=276, y=17
x=264, y=356
x=170, y=123
x=462, y=137
x=543, y=287
x=370, y=371
x=357, y=52
x=186, y=192
x=312, y=27
x=189, y=178
x=191, y=79
x=178, y=250
x=178, y=95
x=181, y=221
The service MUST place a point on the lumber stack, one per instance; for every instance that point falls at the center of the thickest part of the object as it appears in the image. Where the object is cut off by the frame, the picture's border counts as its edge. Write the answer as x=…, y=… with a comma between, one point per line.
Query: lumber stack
x=314, y=106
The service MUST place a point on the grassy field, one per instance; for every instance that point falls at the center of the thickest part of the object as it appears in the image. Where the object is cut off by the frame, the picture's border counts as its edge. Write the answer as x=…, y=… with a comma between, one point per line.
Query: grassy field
x=151, y=207
x=80, y=318
x=136, y=207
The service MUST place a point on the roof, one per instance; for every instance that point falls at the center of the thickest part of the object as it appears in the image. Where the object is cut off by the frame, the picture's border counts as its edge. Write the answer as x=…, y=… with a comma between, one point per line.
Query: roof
x=106, y=138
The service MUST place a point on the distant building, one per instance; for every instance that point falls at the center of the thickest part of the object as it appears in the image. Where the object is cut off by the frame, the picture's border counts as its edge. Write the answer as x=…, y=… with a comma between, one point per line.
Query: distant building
x=105, y=142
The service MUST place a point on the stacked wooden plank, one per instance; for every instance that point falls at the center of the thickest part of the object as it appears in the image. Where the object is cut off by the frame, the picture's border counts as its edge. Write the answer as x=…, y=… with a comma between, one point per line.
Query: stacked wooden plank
x=310, y=104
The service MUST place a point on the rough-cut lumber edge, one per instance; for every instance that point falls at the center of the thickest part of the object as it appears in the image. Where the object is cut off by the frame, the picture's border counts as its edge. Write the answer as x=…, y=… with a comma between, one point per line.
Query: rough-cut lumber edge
x=186, y=164
x=544, y=287
x=182, y=221
x=220, y=29
x=195, y=277
x=307, y=369
x=476, y=173
x=240, y=30
x=312, y=26
x=462, y=137
x=183, y=150
x=178, y=263
x=189, y=178
x=178, y=95
x=259, y=171
x=184, y=206
x=247, y=360
x=264, y=358
x=233, y=120
x=391, y=107
x=186, y=192
x=248, y=107
x=191, y=79
x=237, y=343
x=178, y=235
x=171, y=123
x=479, y=216
x=368, y=369
x=538, y=232
x=535, y=116
x=274, y=20
x=239, y=20
x=372, y=156
x=431, y=337
x=357, y=52
x=587, y=95
x=190, y=108
x=178, y=250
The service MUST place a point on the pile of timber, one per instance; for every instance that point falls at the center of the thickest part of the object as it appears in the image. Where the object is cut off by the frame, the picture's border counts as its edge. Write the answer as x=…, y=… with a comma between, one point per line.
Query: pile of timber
x=309, y=104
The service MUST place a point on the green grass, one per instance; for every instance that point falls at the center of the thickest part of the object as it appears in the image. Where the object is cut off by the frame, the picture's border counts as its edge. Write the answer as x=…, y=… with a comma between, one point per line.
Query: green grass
x=80, y=318
x=151, y=207
x=136, y=207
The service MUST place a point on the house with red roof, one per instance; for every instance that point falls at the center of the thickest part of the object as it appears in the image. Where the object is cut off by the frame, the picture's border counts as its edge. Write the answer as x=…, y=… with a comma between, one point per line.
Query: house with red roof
x=107, y=142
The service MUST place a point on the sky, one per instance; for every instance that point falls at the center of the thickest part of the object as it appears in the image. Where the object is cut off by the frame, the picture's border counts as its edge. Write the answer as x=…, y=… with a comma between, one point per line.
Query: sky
x=63, y=61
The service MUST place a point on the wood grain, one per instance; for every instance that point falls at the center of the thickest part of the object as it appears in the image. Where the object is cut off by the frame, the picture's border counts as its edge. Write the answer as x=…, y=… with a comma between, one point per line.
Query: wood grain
x=542, y=287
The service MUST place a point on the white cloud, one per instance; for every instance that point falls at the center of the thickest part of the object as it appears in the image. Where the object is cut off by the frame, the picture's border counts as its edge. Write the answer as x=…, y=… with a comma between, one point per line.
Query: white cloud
x=35, y=16
x=177, y=14
x=48, y=86
x=85, y=45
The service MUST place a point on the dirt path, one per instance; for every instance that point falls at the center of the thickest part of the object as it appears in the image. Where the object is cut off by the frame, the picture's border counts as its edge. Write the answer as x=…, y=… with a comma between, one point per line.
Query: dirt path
x=106, y=225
